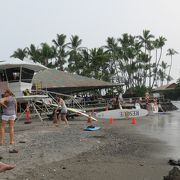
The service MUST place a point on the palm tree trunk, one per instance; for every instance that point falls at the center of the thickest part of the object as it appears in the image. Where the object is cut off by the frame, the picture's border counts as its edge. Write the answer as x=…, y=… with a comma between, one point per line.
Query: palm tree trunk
x=157, y=68
x=170, y=69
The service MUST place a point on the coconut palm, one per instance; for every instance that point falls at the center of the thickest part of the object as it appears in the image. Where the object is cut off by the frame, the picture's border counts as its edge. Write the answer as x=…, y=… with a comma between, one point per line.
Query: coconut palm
x=114, y=52
x=34, y=53
x=158, y=44
x=171, y=53
x=47, y=53
x=74, y=53
x=99, y=64
x=145, y=39
x=61, y=45
x=162, y=74
x=20, y=53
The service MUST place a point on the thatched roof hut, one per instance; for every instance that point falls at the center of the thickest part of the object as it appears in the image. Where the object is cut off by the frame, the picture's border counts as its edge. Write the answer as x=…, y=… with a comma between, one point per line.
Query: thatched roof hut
x=64, y=82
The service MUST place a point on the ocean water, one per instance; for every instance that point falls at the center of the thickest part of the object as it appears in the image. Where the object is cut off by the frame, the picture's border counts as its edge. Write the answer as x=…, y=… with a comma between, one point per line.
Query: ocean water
x=165, y=127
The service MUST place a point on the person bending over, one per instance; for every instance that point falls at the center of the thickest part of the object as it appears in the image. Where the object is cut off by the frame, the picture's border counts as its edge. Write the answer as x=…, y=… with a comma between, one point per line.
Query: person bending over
x=63, y=113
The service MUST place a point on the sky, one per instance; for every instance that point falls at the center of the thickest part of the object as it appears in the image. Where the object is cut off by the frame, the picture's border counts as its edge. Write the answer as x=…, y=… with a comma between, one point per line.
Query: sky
x=25, y=22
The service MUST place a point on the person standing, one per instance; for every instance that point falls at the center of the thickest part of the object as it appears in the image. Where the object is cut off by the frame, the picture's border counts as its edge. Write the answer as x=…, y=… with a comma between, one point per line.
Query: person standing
x=9, y=105
x=63, y=113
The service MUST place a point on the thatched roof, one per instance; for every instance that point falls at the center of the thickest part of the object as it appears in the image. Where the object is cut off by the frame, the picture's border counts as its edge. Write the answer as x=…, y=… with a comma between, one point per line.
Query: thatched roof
x=166, y=87
x=67, y=82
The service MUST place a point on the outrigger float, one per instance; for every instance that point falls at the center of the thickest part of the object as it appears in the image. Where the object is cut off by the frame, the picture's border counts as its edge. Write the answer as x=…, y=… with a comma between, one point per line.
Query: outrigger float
x=122, y=113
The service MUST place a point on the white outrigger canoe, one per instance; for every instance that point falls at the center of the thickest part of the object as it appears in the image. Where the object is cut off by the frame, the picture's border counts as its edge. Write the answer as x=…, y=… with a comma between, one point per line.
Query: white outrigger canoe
x=122, y=113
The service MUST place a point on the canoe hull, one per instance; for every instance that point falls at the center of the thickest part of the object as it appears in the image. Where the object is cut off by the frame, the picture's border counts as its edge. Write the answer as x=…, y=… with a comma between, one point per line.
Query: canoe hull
x=122, y=113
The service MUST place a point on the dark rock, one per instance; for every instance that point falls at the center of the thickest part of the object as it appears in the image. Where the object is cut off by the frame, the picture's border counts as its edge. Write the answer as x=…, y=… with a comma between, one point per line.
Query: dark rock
x=174, y=162
x=174, y=174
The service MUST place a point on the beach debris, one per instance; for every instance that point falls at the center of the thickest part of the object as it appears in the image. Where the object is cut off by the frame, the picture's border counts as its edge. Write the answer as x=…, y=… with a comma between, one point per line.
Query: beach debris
x=1, y=157
x=13, y=151
x=174, y=174
x=22, y=141
x=134, y=121
x=174, y=162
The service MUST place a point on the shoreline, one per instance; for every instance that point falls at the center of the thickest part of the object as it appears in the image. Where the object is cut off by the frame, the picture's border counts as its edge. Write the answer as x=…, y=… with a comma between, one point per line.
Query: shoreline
x=118, y=151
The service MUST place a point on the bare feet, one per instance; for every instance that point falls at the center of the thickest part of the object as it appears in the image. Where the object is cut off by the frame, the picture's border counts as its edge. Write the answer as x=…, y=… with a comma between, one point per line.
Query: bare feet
x=56, y=125
x=5, y=167
x=12, y=142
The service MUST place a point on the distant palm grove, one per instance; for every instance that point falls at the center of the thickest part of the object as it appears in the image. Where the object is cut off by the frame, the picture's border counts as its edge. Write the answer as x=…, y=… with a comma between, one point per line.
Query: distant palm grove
x=135, y=61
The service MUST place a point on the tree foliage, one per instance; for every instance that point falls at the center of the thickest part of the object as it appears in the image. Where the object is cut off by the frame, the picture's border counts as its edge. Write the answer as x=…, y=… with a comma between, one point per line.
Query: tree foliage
x=135, y=61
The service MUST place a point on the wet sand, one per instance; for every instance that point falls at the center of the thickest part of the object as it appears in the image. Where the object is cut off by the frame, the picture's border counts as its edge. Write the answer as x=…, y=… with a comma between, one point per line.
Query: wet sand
x=117, y=151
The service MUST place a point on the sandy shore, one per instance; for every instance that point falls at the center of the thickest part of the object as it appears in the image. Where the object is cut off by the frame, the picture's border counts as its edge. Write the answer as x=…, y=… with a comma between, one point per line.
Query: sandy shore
x=117, y=151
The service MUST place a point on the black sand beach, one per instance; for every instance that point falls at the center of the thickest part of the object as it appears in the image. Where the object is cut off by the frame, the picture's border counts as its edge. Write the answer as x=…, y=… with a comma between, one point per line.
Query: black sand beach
x=117, y=151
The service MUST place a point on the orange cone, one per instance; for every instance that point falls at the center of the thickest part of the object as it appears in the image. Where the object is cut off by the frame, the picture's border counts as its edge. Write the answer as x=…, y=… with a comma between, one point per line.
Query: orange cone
x=111, y=120
x=27, y=120
x=134, y=121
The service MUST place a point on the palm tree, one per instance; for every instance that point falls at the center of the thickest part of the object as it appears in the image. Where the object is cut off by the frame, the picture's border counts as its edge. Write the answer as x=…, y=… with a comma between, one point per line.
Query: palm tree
x=145, y=39
x=74, y=53
x=61, y=45
x=114, y=52
x=47, y=53
x=99, y=64
x=171, y=53
x=34, y=53
x=158, y=44
x=20, y=53
x=85, y=63
x=162, y=74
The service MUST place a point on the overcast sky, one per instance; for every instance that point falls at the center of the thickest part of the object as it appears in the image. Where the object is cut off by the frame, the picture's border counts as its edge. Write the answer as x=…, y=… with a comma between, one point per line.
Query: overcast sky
x=23, y=22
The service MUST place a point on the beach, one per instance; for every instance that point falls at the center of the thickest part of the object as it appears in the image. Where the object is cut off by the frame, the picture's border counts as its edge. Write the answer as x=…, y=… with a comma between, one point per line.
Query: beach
x=116, y=151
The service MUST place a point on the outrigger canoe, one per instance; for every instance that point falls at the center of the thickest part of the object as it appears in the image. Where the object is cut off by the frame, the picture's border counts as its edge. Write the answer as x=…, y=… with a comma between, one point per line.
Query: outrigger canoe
x=122, y=113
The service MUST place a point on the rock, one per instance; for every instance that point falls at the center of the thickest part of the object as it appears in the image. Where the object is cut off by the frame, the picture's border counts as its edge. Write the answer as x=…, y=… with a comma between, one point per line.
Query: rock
x=174, y=162
x=174, y=174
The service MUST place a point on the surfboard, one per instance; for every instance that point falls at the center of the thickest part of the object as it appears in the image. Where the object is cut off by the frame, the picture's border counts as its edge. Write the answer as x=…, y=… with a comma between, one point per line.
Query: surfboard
x=81, y=113
x=92, y=129
x=30, y=98
x=122, y=113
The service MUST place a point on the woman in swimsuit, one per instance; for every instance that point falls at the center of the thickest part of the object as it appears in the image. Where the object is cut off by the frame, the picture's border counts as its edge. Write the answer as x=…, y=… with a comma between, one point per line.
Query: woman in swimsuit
x=9, y=105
